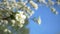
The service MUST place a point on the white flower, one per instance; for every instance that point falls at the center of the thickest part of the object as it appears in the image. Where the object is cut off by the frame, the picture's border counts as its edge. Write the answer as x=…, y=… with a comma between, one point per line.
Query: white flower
x=20, y=16
x=20, y=25
x=39, y=20
x=31, y=13
x=34, y=4
x=56, y=12
x=9, y=31
x=53, y=9
x=13, y=21
x=2, y=21
x=5, y=30
x=22, y=21
x=5, y=21
x=9, y=7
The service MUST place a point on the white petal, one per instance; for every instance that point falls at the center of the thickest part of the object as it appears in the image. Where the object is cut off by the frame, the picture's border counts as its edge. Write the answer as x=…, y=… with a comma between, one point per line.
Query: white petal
x=22, y=21
x=5, y=30
x=23, y=16
x=20, y=25
x=39, y=20
x=56, y=12
x=13, y=21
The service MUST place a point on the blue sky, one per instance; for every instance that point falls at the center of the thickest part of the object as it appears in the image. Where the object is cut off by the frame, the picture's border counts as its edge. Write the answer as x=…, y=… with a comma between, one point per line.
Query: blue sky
x=50, y=22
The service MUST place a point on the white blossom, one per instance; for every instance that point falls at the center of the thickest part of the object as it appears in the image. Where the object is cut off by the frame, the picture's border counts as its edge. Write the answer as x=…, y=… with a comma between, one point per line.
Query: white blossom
x=20, y=25
x=5, y=21
x=32, y=12
x=53, y=9
x=22, y=21
x=9, y=31
x=13, y=21
x=9, y=8
x=5, y=30
x=34, y=5
x=39, y=20
x=20, y=16
x=56, y=12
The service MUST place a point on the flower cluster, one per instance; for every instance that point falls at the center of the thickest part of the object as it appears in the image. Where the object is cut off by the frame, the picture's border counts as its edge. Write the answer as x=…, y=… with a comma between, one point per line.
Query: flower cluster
x=14, y=15
x=21, y=18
